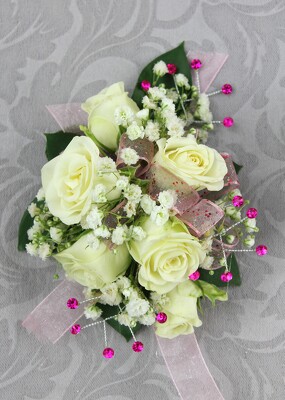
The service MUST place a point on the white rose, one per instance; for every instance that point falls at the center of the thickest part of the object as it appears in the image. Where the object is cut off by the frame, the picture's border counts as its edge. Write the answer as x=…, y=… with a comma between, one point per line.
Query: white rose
x=101, y=109
x=198, y=165
x=93, y=268
x=181, y=311
x=70, y=178
x=167, y=255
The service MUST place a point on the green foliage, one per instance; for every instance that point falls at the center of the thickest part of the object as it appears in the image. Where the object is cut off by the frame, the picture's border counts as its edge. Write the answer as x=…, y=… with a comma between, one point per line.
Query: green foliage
x=212, y=292
x=215, y=278
x=57, y=142
x=176, y=56
x=237, y=167
x=109, y=311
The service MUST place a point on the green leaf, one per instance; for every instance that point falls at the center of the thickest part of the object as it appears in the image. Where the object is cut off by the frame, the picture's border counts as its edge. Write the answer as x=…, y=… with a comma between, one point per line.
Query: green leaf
x=237, y=167
x=57, y=142
x=215, y=278
x=212, y=292
x=109, y=311
x=176, y=56
x=25, y=224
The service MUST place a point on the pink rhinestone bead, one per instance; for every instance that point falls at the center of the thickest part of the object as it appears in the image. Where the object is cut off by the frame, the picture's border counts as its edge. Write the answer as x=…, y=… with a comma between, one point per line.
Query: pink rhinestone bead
x=137, y=347
x=252, y=213
x=161, y=318
x=171, y=69
x=75, y=329
x=145, y=85
x=261, y=250
x=196, y=64
x=226, y=276
x=195, y=276
x=238, y=201
x=228, y=122
x=227, y=88
x=108, y=352
x=72, y=303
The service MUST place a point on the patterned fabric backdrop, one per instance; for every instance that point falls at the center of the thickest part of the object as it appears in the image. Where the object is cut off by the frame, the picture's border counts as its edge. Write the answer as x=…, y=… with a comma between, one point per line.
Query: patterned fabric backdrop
x=61, y=51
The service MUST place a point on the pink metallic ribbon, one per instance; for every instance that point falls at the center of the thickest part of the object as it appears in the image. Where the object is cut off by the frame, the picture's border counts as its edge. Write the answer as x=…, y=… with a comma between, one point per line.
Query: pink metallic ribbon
x=51, y=318
x=188, y=369
x=144, y=149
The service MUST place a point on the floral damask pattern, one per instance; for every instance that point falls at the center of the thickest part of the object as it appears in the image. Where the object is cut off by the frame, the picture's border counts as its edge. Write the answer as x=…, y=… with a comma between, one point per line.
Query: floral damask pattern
x=60, y=51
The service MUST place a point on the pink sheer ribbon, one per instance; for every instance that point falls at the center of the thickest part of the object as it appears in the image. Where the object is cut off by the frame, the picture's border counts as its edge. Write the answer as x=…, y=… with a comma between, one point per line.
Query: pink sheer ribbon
x=188, y=369
x=51, y=318
x=212, y=63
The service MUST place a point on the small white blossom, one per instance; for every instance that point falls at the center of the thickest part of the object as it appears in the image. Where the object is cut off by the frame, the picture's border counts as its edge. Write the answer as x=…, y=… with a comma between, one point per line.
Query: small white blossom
x=93, y=241
x=93, y=312
x=122, y=182
x=250, y=225
x=233, y=193
x=40, y=195
x=182, y=81
x=31, y=249
x=230, y=239
x=55, y=234
x=119, y=235
x=36, y=228
x=167, y=199
x=106, y=165
x=143, y=115
x=159, y=215
x=148, y=103
x=249, y=241
x=156, y=93
x=135, y=131
x=124, y=116
x=160, y=68
x=133, y=193
x=99, y=193
x=130, y=209
x=94, y=218
x=172, y=95
x=44, y=251
x=111, y=295
x=124, y=319
x=152, y=131
x=123, y=282
x=102, y=232
x=137, y=307
x=33, y=210
x=147, y=204
x=138, y=233
x=168, y=104
x=129, y=156
x=203, y=111
x=175, y=127
x=147, y=319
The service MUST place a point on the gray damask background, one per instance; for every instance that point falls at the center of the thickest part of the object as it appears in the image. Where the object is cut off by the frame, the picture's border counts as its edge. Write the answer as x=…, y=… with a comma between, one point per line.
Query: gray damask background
x=60, y=51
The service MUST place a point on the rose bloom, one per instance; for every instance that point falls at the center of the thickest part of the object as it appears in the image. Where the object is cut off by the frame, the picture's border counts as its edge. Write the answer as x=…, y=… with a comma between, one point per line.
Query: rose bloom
x=69, y=179
x=101, y=110
x=181, y=311
x=93, y=268
x=198, y=165
x=167, y=255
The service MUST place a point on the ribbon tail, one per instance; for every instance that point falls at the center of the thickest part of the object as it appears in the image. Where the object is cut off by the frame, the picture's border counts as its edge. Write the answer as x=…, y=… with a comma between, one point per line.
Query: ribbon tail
x=188, y=368
x=68, y=116
x=51, y=318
